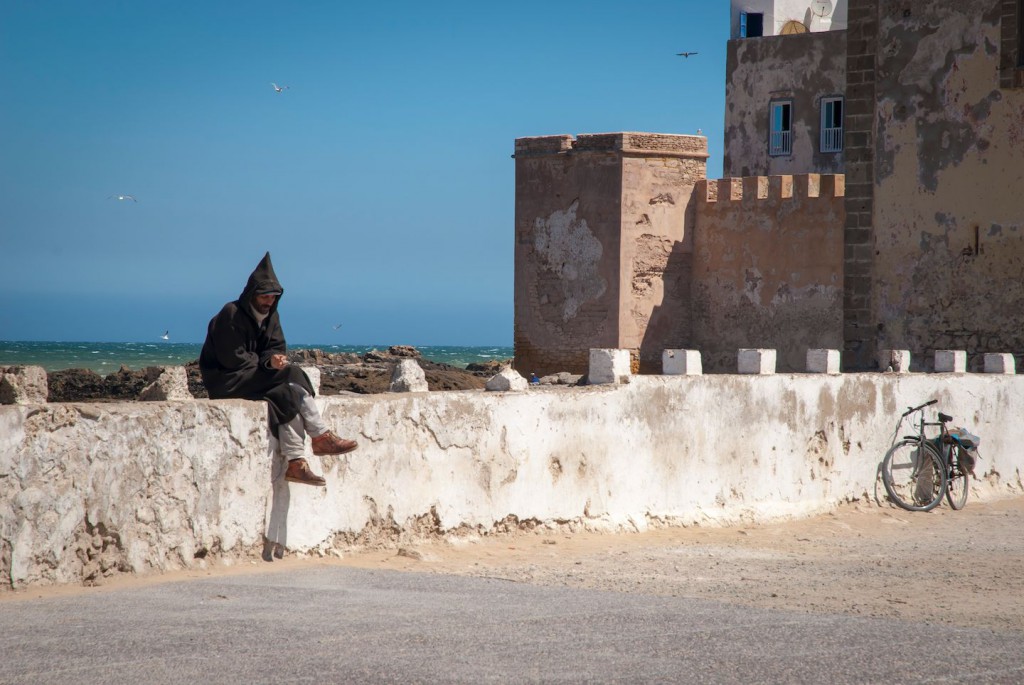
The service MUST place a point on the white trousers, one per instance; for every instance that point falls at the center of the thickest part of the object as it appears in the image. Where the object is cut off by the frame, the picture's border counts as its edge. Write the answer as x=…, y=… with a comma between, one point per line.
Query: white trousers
x=291, y=436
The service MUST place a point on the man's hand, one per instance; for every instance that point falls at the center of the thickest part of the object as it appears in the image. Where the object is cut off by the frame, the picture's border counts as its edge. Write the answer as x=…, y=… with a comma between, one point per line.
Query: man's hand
x=278, y=361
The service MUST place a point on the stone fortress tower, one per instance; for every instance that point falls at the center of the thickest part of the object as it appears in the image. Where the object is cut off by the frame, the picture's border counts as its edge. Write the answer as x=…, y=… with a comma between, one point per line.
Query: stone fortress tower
x=873, y=199
x=603, y=249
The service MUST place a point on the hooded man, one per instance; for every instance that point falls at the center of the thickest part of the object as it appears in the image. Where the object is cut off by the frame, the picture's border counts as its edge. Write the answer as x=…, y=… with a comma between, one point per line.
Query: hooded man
x=245, y=357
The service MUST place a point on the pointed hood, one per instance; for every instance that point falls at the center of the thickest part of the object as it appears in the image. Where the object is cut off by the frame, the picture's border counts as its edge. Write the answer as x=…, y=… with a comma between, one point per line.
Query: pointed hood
x=262, y=280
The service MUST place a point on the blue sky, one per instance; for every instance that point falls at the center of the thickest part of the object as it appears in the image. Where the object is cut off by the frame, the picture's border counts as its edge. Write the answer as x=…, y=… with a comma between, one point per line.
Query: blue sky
x=381, y=180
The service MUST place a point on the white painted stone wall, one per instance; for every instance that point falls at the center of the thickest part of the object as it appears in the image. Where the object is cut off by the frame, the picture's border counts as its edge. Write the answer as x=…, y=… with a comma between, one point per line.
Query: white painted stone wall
x=778, y=12
x=87, y=490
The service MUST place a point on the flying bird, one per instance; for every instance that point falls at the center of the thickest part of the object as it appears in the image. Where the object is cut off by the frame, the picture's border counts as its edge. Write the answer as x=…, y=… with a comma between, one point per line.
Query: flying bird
x=336, y=326
x=685, y=54
x=122, y=197
x=278, y=88
x=166, y=335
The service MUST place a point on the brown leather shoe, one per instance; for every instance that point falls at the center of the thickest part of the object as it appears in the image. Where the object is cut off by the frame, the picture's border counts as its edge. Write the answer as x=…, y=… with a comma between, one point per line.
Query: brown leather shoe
x=329, y=443
x=298, y=472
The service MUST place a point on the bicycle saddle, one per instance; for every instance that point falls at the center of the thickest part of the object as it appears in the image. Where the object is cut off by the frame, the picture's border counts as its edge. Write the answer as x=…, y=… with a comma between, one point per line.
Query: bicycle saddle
x=945, y=417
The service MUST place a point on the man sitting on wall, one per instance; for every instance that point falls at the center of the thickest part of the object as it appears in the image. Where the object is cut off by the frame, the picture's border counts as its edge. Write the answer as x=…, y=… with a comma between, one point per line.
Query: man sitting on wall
x=245, y=357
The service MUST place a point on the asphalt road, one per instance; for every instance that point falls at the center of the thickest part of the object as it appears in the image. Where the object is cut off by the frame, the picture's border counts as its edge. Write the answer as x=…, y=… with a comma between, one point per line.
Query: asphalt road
x=332, y=624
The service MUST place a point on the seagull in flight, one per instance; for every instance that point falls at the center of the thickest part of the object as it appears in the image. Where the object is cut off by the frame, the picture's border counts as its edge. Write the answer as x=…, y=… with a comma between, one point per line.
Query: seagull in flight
x=279, y=89
x=685, y=54
x=122, y=197
x=336, y=326
x=166, y=335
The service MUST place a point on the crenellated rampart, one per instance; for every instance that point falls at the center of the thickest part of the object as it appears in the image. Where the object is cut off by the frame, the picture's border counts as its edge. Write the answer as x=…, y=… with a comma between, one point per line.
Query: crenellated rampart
x=622, y=242
x=767, y=267
x=772, y=188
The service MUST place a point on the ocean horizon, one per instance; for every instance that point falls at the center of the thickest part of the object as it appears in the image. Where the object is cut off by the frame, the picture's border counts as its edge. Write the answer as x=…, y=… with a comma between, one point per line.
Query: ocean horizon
x=107, y=357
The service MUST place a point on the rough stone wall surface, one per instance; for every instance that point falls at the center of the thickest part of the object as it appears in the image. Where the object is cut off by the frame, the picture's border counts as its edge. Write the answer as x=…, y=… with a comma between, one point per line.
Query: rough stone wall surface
x=658, y=219
x=93, y=490
x=22, y=385
x=87, y=490
x=948, y=212
x=800, y=67
x=768, y=268
x=566, y=256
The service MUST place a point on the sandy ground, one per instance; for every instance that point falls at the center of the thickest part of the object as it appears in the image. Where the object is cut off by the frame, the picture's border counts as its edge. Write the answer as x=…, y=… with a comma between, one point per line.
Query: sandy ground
x=963, y=568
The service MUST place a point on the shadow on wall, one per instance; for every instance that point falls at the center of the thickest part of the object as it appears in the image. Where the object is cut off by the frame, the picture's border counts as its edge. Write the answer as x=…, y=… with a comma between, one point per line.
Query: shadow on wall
x=275, y=540
x=669, y=326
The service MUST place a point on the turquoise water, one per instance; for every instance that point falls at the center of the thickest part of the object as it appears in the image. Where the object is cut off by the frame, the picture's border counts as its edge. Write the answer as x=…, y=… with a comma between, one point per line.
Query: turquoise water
x=104, y=358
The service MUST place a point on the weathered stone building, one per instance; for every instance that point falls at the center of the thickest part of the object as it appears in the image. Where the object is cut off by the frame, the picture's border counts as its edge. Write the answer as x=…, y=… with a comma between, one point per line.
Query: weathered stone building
x=603, y=250
x=934, y=254
x=622, y=242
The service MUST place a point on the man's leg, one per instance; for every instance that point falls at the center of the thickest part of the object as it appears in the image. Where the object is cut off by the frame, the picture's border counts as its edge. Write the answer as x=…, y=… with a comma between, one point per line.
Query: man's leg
x=310, y=413
x=324, y=440
x=291, y=437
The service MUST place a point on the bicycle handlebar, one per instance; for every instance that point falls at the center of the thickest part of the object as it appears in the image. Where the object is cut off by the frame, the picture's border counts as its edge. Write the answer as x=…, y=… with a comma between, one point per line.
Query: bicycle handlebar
x=911, y=410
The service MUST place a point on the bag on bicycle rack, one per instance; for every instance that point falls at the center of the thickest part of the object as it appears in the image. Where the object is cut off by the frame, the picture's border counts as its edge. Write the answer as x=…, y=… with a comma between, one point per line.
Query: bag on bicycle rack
x=969, y=442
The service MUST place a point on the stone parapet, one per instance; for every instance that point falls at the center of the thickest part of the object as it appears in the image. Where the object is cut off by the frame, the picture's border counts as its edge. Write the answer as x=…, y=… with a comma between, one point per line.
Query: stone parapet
x=753, y=188
x=767, y=267
x=627, y=143
x=92, y=490
x=542, y=145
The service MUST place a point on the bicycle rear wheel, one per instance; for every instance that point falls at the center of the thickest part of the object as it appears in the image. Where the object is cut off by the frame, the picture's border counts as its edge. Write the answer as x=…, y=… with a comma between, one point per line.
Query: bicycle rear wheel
x=957, y=480
x=914, y=476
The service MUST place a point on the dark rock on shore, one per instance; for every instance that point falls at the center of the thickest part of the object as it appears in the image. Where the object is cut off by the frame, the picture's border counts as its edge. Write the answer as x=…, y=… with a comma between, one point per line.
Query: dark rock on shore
x=195, y=380
x=368, y=373
x=84, y=385
x=488, y=368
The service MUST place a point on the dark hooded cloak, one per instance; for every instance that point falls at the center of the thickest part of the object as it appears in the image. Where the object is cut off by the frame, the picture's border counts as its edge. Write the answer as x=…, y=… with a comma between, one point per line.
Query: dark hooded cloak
x=235, y=361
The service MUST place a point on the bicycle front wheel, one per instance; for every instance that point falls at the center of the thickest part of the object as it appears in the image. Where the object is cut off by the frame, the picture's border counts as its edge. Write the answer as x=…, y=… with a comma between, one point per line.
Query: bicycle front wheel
x=914, y=476
x=957, y=481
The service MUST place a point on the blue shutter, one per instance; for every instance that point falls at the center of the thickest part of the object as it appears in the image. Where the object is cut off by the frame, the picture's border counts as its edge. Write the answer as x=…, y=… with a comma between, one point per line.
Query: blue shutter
x=743, y=24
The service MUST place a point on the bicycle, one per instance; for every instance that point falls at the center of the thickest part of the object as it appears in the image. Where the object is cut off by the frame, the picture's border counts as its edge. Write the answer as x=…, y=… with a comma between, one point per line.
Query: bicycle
x=917, y=471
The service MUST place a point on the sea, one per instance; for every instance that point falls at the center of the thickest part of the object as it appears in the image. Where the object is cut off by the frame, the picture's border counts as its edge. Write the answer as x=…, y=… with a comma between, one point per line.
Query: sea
x=107, y=357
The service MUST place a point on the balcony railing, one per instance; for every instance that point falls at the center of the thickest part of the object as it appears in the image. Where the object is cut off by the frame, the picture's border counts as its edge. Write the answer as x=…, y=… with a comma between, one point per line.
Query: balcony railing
x=781, y=143
x=832, y=139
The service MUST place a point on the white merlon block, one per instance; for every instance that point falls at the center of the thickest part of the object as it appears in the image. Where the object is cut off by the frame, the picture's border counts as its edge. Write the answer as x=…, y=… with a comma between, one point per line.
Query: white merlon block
x=823, y=361
x=408, y=376
x=508, y=379
x=897, y=361
x=681, y=363
x=1000, y=363
x=757, y=361
x=950, y=361
x=608, y=366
